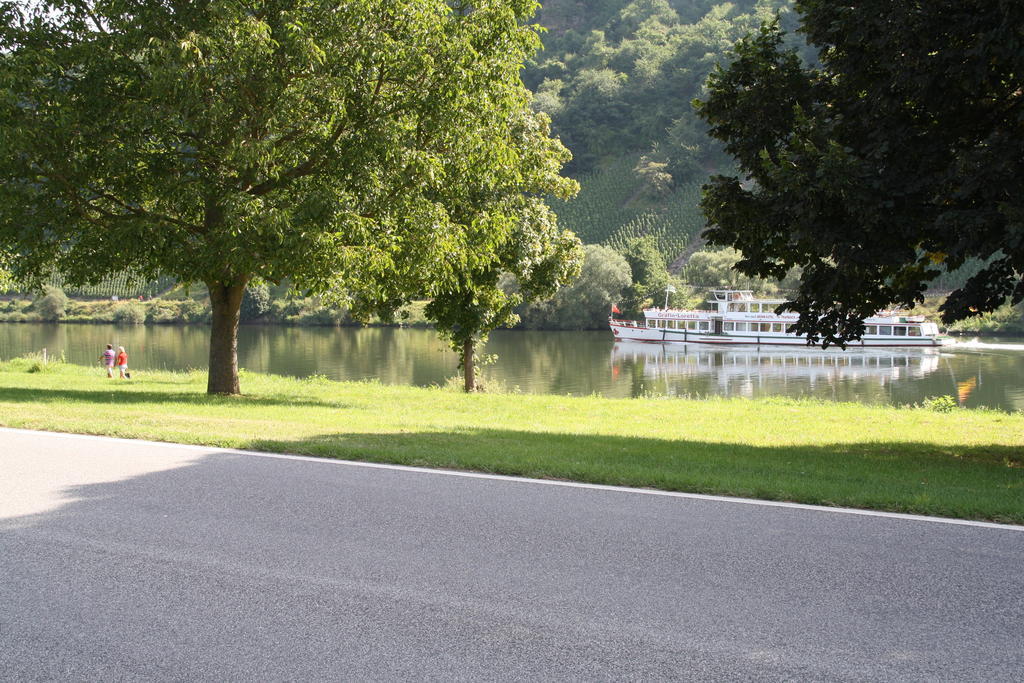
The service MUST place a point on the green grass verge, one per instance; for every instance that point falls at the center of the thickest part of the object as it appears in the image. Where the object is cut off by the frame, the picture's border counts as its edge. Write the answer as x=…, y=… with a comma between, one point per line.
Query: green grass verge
x=967, y=464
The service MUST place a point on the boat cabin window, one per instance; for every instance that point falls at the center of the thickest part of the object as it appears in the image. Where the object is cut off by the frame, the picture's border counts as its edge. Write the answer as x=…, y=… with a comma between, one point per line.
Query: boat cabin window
x=899, y=331
x=755, y=308
x=650, y=323
x=776, y=327
x=885, y=330
x=870, y=329
x=914, y=331
x=738, y=308
x=789, y=329
x=704, y=326
x=730, y=327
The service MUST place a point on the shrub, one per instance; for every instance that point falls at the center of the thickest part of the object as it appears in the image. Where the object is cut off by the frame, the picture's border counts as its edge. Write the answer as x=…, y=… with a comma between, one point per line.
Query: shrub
x=292, y=307
x=940, y=404
x=255, y=301
x=163, y=313
x=130, y=313
x=36, y=362
x=194, y=312
x=52, y=305
x=322, y=316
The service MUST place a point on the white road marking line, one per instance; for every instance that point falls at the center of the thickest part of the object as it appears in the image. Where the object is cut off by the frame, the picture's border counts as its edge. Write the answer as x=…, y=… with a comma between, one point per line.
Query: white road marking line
x=214, y=450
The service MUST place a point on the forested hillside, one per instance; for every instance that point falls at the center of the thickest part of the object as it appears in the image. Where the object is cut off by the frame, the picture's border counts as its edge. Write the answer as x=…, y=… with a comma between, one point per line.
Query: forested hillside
x=617, y=78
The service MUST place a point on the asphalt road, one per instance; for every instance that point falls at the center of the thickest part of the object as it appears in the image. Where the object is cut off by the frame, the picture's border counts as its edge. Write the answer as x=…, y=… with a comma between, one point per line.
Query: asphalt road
x=127, y=560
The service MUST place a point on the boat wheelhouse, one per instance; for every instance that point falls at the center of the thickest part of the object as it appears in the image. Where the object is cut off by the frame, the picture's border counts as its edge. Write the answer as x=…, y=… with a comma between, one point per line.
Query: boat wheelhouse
x=738, y=317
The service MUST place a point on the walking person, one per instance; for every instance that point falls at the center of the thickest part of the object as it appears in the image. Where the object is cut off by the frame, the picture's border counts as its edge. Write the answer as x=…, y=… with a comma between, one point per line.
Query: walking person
x=122, y=363
x=107, y=358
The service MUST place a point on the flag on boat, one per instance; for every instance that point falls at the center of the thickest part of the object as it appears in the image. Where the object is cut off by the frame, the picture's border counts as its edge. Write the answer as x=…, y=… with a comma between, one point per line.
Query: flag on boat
x=615, y=309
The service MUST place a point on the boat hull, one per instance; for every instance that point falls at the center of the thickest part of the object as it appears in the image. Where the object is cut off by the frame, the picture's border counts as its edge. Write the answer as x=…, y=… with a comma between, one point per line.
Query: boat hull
x=628, y=331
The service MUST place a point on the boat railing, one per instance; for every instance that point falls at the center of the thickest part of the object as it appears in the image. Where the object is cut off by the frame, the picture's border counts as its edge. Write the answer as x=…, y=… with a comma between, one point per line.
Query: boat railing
x=677, y=310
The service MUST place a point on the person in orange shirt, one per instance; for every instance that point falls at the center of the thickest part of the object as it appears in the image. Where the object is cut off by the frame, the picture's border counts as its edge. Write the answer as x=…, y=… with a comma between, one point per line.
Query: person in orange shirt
x=122, y=363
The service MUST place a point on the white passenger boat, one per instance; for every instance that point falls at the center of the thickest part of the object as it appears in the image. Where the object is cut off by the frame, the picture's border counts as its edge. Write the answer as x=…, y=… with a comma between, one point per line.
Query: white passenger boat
x=737, y=317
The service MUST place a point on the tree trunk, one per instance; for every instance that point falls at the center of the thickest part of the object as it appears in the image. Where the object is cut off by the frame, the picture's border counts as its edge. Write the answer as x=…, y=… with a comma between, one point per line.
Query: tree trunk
x=226, y=300
x=468, y=369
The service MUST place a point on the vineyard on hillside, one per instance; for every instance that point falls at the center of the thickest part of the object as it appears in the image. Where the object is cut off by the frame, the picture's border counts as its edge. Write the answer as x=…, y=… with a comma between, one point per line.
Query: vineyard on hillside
x=124, y=285
x=610, y=209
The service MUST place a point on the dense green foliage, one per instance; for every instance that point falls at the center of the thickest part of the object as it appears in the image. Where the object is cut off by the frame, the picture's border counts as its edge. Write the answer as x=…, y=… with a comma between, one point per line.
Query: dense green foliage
x=900, y=158
x=534, y=256
x=255, y=301
x=617, y=78
x=648, y=275
x=52, y=305
x=221, y=142
x=716, y=268
x=587, y=302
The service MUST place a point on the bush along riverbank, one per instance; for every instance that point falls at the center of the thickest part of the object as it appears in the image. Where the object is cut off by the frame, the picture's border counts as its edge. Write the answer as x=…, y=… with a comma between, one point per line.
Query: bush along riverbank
x=161, y=311
x=936, y=460
x=1006, y=321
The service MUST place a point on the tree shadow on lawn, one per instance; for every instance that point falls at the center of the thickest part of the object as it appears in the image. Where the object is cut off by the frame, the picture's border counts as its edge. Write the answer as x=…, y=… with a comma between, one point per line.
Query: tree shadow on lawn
x=130, y=395
x=976, y=481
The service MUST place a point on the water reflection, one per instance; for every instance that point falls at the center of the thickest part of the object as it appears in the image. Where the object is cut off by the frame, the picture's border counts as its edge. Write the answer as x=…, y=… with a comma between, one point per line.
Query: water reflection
x=976, y=373
x=692, y=369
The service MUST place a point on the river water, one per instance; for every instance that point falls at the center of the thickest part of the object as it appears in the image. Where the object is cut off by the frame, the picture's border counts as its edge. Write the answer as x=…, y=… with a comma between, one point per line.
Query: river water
x=985, y=372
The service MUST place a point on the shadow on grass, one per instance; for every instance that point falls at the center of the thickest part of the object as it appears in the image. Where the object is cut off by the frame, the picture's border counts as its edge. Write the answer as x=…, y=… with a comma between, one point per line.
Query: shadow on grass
x=978, y=481
x=127, y=395
x=981, y=481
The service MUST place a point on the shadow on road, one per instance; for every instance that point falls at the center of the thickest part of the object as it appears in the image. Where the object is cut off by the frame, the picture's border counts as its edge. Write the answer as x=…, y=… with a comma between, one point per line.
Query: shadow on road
x=221, y=566
x=976, y=482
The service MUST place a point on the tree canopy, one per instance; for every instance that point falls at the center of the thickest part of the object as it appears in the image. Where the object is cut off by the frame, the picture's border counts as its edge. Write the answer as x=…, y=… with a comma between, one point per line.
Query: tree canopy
x=587, y=302
x=901, y=156
x=617, y=76
x=531, y=257
x=225, y=141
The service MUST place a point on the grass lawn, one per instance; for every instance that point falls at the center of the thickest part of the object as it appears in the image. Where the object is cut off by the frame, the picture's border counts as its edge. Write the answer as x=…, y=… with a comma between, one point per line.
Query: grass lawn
x=967, y=464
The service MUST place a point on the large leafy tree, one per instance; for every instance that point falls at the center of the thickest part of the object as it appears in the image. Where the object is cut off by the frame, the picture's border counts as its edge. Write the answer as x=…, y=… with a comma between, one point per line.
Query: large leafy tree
x=901, y=155
x=225, y=141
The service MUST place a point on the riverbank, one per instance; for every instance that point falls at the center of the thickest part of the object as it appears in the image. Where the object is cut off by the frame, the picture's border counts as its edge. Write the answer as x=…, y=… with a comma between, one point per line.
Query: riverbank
x=301, y=312
x=179, y=309
x=967, y=464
